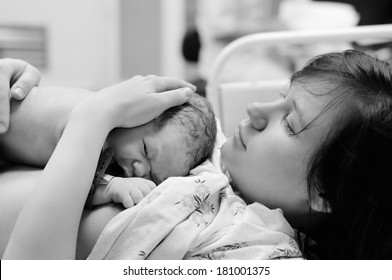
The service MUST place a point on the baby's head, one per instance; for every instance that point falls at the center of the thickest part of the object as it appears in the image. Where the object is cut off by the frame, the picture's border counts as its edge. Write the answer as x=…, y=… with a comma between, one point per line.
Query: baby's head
x=177, y=141
x=196, y=122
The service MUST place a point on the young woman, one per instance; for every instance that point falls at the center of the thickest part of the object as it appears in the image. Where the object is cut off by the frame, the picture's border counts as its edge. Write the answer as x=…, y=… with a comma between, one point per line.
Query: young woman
x=322, y=154
x=324, y=148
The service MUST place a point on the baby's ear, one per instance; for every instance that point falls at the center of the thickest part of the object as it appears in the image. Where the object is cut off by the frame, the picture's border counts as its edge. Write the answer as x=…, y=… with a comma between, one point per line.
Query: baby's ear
x=319, y=204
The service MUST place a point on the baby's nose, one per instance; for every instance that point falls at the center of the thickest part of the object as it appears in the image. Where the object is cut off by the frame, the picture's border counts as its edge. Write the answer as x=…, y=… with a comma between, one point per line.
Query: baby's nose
x=142, y=169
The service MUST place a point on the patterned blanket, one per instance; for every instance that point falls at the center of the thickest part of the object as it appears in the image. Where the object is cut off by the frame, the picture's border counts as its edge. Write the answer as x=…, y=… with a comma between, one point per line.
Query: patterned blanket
x=197, y=217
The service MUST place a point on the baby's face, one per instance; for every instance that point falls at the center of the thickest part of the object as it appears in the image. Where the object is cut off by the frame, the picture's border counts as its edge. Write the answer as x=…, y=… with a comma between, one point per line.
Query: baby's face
x=150, y=153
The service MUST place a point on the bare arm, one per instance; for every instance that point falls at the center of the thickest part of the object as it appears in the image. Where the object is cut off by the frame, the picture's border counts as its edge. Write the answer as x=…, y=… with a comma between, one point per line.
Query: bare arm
x=37, y=122
x=17, y=77
x=52, y=210
x=48, y=225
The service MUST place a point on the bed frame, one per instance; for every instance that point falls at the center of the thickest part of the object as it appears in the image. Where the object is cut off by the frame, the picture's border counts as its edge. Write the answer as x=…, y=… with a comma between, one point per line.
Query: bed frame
x=230, y=99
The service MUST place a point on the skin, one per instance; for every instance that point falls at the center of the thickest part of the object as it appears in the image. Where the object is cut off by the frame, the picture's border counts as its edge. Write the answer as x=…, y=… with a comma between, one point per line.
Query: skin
x=47, y=110
x=267, y=162
x=266, y=140
x=39, y=235
x=149, y=153
x=16, y=80
x=17, y=184
x=37, y=107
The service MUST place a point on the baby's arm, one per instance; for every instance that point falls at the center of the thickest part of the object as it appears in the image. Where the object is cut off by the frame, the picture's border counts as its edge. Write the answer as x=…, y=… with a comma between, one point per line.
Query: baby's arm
x=37, y=122
x=128, y=191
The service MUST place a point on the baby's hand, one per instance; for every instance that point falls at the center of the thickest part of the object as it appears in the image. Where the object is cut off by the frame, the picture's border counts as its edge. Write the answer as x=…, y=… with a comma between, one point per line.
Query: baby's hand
x=129, y=191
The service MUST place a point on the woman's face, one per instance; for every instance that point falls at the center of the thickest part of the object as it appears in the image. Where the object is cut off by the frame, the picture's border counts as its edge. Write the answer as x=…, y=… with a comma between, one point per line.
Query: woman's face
x=266, y=160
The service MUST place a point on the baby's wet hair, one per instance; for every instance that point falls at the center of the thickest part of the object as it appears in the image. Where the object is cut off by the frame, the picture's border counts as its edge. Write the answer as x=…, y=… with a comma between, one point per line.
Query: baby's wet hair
x=196, y=121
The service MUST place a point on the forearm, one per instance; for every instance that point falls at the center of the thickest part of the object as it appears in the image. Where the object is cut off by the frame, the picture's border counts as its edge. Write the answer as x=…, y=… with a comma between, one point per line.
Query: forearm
x=51, y=216
x=102, y=194
x=37, y=122
x=48, y=225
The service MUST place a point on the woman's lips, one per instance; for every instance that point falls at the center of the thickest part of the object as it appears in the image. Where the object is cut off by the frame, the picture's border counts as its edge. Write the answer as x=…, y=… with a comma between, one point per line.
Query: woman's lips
x=241, y=137
x=238, y=136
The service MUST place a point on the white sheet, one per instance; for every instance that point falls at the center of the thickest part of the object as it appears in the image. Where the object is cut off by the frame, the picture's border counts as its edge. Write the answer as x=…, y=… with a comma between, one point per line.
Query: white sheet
x=197, y=217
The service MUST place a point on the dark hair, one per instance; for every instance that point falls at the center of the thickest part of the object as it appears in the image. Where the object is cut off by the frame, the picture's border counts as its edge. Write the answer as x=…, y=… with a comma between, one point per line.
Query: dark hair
x=352, y=169
x=196, y=121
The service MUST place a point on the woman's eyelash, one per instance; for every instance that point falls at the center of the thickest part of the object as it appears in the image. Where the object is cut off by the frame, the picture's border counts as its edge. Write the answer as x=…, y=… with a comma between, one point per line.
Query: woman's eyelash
x=288, y=127
x=283, y=94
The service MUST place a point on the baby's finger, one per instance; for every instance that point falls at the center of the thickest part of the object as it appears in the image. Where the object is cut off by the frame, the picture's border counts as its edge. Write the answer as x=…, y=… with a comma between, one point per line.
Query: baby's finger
x=137, y=195
x=128, y=201
x=146, y=188
x=150, y=184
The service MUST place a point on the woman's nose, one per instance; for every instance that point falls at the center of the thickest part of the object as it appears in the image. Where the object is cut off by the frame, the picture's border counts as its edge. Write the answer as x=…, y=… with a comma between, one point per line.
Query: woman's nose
x=142, y=169
x=258, y=114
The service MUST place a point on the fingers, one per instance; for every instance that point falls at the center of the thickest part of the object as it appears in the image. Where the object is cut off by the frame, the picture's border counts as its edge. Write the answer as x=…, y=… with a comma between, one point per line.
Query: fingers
x=147, y=97
x=144, y=187
x=168, y=83
x=128, y=201
x=174, y=97
x=170, y=91
x=140, y=189
x=29, y=78
x=147, y=186
x=22, y=77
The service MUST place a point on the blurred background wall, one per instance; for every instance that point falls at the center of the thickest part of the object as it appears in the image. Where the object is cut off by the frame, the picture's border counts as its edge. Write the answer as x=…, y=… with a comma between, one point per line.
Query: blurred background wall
x=94, y=43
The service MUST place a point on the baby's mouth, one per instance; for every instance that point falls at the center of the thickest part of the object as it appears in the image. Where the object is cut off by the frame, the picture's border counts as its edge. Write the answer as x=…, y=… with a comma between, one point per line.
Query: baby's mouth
x=241, y=137
x=115, y=169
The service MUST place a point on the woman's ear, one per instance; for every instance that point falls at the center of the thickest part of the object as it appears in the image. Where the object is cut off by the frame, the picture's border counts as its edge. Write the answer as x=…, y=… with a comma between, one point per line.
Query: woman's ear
x=318, y=204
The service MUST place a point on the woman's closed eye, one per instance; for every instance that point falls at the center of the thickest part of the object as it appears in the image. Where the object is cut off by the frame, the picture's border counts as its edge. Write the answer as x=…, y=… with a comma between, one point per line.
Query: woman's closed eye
x=289, y=127
x=283, y=95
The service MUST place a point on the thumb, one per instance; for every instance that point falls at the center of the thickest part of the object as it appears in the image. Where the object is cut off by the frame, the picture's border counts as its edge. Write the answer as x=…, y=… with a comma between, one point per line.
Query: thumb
x=25, y=83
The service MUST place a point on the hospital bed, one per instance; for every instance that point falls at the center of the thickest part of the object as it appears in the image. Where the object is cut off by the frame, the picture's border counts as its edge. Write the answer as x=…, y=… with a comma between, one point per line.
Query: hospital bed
x=230, y=99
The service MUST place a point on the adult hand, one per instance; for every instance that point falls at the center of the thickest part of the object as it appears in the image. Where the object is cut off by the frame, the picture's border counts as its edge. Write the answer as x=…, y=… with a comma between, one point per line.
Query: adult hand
x=17, y=78
x=137, y=101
